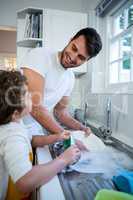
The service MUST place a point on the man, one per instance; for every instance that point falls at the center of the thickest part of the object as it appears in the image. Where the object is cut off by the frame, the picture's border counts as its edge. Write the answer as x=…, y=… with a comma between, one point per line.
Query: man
x=51, y=79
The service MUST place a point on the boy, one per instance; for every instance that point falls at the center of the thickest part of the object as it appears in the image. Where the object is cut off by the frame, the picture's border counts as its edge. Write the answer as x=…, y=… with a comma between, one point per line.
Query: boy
x=18, y=178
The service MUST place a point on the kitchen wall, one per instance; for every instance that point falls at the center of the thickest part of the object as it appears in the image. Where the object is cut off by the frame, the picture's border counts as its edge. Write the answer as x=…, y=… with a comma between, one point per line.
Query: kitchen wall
x=121, y=107
x=121, y=113
x=7, y=41
x=8, y=8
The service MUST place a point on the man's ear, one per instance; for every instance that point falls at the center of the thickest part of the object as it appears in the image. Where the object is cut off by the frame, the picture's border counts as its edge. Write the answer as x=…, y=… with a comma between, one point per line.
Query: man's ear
x=89, y=58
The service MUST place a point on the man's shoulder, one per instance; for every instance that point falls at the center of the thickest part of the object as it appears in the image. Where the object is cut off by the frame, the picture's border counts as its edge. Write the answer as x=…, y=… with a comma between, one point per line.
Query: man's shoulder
x=71, y=74
x=42, y=51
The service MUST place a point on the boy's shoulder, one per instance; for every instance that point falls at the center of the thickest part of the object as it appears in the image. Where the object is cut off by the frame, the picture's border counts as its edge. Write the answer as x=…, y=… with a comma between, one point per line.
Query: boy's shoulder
x=12, y=129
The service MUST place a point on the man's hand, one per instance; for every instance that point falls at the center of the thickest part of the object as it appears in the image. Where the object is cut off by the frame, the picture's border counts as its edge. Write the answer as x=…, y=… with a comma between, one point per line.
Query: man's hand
x=87, y=130
x=64, y=135
x=80, y=145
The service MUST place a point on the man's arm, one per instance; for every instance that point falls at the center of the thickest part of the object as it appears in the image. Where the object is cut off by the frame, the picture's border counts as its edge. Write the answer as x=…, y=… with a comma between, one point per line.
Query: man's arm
x=61, y=112
x=36, y=85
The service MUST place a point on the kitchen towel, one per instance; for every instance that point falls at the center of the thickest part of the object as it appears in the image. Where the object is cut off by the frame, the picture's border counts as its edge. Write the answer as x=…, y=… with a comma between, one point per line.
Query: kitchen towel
x=124, y=181
x=105, y=194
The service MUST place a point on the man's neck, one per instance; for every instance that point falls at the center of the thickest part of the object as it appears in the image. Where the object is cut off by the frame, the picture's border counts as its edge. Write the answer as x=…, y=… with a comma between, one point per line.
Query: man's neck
x=59, y=57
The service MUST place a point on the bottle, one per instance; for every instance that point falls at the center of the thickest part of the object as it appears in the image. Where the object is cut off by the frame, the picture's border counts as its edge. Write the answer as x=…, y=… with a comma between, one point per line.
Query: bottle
x=68, y=142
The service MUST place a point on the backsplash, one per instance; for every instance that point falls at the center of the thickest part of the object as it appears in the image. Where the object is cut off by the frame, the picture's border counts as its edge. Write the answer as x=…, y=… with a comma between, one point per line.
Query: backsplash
x=121, y=109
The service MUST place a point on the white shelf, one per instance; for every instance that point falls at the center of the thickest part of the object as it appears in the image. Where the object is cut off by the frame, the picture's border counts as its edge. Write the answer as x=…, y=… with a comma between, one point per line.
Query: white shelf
x=29, y=42
x=23, y=12
x=29, y=27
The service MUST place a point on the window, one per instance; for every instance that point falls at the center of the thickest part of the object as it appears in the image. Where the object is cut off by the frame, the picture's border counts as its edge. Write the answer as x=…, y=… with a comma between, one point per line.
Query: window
x=7, y=48
x=121, y=45
x=7, y=61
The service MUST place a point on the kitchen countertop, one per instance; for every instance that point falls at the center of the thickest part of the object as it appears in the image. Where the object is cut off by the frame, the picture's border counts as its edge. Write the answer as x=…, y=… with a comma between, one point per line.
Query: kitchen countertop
x=78, y=185
x=72, y=185
x=52, y=189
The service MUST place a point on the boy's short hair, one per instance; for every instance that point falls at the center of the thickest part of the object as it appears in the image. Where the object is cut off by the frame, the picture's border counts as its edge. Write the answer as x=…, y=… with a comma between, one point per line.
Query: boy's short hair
x=93, y=40
x=11, y=93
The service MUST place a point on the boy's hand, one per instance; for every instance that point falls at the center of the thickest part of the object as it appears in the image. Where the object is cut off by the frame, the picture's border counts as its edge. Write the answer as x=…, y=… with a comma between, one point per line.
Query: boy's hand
x=71, y=155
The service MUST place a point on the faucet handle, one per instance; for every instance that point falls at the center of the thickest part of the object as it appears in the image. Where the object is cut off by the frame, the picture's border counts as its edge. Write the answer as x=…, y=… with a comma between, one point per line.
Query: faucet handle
x=108, y=104
x=85, y=107
x=102, y=129
x=86, y=104
x=85, y=110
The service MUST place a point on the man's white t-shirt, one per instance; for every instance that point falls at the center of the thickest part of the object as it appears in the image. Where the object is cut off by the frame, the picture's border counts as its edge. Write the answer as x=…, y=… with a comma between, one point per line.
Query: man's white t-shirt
x=14, y=154
x=59, y=82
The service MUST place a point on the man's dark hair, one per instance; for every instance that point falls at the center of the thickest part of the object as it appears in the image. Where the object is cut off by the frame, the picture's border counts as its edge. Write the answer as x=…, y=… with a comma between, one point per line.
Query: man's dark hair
x=93, y=40
x=11, y=94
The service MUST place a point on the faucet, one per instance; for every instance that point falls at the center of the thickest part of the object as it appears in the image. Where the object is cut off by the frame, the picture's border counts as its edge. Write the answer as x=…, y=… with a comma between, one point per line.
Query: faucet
x=105, y=131
x=108, y=116
x=85, y=113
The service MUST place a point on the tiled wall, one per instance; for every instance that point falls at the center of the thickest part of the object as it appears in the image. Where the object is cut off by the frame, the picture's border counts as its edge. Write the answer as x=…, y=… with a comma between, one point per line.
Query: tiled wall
x=121, y=110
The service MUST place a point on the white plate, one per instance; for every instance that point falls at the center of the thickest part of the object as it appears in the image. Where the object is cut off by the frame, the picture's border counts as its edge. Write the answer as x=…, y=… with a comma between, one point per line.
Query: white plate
x=92, y=142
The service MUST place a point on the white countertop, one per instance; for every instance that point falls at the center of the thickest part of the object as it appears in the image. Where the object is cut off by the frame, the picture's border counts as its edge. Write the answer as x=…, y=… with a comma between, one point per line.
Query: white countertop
x=52, y=190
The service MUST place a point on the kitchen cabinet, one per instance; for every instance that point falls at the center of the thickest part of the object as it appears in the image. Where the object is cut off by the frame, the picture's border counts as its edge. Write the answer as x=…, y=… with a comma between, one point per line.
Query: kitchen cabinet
x=47, y=28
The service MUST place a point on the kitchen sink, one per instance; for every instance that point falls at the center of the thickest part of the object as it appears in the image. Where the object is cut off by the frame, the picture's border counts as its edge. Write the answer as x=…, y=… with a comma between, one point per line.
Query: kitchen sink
x=77, y=185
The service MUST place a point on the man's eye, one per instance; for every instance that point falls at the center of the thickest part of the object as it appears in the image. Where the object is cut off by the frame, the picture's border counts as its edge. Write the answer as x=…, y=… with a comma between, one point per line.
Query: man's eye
x=81, y=58
x=74, y=49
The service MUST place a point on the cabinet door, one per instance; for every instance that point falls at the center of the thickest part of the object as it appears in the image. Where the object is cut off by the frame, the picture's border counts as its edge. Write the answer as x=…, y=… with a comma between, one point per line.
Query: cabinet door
x=59, y=28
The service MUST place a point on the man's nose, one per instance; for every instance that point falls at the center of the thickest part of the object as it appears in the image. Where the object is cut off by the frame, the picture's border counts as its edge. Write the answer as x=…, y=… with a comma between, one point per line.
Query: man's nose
x=74, y=57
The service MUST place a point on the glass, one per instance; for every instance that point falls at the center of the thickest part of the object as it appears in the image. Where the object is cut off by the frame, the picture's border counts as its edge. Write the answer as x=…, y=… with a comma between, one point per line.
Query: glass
x=126, y=44
x=125, y=70
x=114, y=51
x=119, y=23
x=7, y=61
x=114, y=72
x=130, y=15
x=126, y=63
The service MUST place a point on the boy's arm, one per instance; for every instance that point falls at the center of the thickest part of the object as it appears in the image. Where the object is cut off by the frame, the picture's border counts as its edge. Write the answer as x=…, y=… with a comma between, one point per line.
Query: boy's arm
x=41, y=174
x=19, y=167
x=41, y=140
